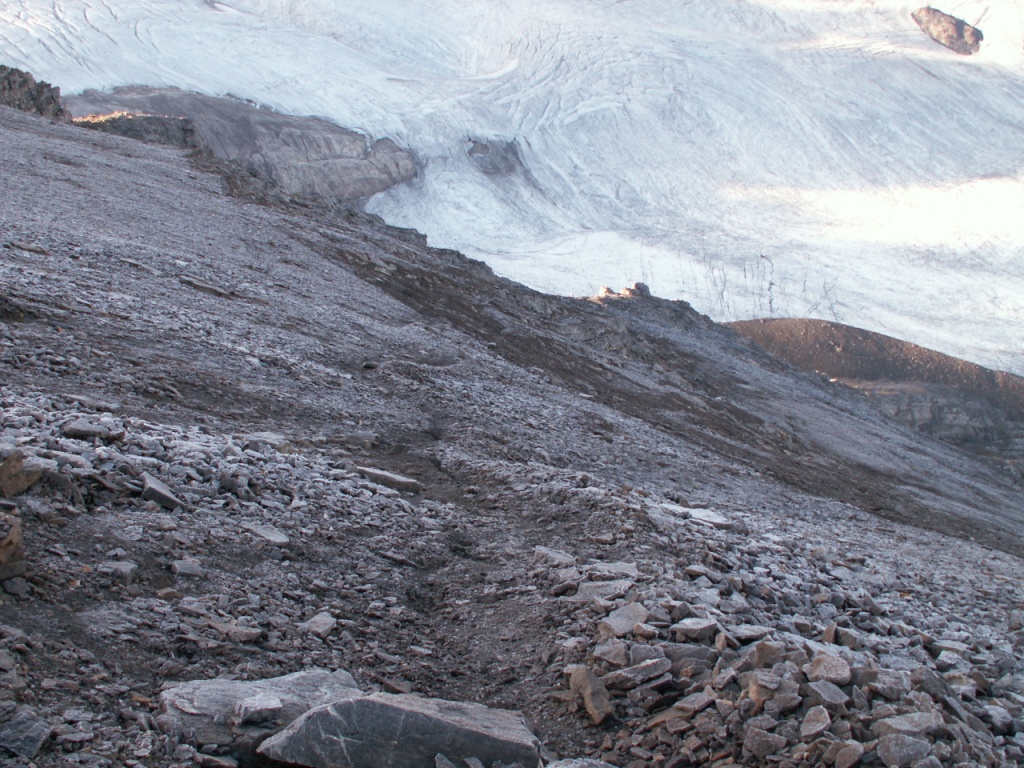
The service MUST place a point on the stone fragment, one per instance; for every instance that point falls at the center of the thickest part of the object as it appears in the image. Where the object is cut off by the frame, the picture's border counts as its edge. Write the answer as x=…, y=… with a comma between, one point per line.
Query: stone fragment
x=924, y=679
x=749, y=633
x=760, y=743
x=826, y=666
x=767, y=654
x=694, y=629
x=15, y=479
x=600, y=571
x=631, y=677
x=120, y=570
x=694, y=703
x=188, y=568
x=390, y=480
x=215, y=761
x=269, y=533
x=554, y=557
x=709, y=517
x=892, y=684
x=815, y=723
x=584, y=683
x=398, y=731
x=25, y=733
x=209, y=709
x=621, y=621
x=911, y=724
x=320, y=625
x=154, y=490
x=850, y=755
x=827, y=694
x=999, y=717
x=602, y=590
x=17, y=587
x=760, y=686
x=948, y=660
x=615, y=653
x=12, y=550
x=204, y=286
x=83, y=429
x=897, y=750
x=580, y=762
x=259, y=708
x=257, y=441
x=237, y=633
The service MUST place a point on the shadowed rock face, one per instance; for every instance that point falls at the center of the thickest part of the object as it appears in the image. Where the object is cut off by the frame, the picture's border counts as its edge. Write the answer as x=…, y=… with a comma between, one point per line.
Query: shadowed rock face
x=948, y=398
x=153, y=129
x=20, y=90
x=303, y=156
x=956, y=34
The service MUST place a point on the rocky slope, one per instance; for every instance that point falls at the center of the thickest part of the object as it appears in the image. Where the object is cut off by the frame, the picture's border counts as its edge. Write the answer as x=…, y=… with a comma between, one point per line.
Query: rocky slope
x=245, y=440
x=957, y=401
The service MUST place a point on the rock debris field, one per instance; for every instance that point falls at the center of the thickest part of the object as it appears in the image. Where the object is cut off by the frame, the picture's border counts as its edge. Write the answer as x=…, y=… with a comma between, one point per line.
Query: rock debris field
x=284, y=486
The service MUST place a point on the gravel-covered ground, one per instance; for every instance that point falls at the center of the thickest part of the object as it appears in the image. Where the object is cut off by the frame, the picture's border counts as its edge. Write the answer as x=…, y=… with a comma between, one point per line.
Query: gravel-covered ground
x=610, y=495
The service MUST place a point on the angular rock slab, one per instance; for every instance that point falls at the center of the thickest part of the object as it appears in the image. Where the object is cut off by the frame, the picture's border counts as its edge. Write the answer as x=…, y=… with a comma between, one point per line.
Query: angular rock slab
x=155, y=490
x=217, y=711
x=399, y=731
x=390, y=479
x=25, y=733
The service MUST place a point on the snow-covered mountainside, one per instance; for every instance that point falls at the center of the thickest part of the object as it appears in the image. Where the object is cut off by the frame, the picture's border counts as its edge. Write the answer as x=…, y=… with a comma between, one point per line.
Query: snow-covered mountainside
x=757, y=158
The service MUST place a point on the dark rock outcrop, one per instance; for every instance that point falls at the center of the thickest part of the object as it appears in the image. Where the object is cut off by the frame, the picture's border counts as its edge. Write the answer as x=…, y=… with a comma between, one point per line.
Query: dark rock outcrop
x=240, y=714
x=178, y=132
x=951, y=399
x=302, y=156
x=18, y=89
x=956, y=34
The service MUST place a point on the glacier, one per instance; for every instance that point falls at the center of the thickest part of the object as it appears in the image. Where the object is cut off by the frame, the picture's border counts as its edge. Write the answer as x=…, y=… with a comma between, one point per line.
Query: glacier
x=756, y=158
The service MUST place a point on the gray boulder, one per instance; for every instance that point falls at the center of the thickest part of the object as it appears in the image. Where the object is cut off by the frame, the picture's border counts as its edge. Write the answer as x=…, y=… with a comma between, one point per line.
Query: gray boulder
x=401, y=731
x=24, y=734
x=242, y=712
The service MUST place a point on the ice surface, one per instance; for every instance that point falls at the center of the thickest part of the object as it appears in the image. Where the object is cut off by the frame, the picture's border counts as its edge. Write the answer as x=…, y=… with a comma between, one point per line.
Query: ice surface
x=814, y=158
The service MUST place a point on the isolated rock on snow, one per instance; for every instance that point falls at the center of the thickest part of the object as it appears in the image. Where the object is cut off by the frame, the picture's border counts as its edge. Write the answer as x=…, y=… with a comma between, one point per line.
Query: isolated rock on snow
x=20, y=90
x=234, y=712
x=399, y=731
x=178, y=132
x=956, y=34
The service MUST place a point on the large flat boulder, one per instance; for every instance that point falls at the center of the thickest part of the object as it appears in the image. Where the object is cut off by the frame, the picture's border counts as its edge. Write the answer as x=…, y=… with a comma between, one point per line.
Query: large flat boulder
x=242, y=713
x=401, y=731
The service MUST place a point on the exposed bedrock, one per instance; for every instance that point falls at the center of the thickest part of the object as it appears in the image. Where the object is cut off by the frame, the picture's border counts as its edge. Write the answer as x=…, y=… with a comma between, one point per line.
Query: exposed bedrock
x=304, y=156
x=20, y=90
